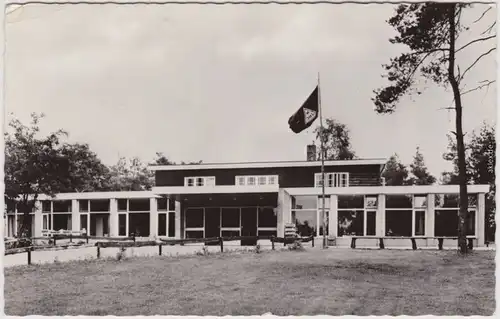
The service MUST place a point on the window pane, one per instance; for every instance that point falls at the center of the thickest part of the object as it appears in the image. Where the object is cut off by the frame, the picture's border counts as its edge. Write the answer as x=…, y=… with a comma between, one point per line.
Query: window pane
x=171, y=224
x=262, y=180
x=194, y=234
x=420, y=201
x=446, y=223
x=138, y=224
x=371, y=223
x=304, y=202
x=251, y=180
x=305, y=221
x=327, y=202
x=162, y=224
x=350, y=222
x=230, y=217
x=99, y=205
x=162, y=203
x=122, y=204
x=84, y=205
x=62, y=221
x=471, y=223
x=267, y=217
x=240, y=180
x=83, y=222
x=190, y=181
x=351, y=201
x=194, y=217
x=398, y=201
x=321, y=224
x=138, y=205
x=209, y=181
x=46, y=206
x=199, y=181
x=61, y=206
x=446, y=200
x=45, y=224
x=122, y=225
x=420, y=223
x=272, y=180
x=171, y=204
x=371, y=201
x=398, y=223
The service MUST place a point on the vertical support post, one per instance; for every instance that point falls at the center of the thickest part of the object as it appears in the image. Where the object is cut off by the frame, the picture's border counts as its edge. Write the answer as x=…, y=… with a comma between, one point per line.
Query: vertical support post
x=159, y=249
x=480, y=220
x=28, y=250
x=381, y=243
x=221, y=242
x=323, y=180
x=113, y=218
x=75, y=216
x=153, y=218
x=430, y=218
x=380, y=216
x=413, y=244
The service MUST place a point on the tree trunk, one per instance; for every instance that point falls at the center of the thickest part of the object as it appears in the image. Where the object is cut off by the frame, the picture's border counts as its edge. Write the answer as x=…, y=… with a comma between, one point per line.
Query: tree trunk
x=462, y=172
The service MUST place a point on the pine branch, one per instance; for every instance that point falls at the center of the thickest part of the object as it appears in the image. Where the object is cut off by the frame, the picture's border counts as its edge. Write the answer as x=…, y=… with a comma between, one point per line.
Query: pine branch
x=474, y=41
x=475, y=62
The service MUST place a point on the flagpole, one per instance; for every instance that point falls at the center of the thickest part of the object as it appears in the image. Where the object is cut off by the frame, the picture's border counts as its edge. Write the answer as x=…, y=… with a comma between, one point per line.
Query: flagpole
x=322, y=166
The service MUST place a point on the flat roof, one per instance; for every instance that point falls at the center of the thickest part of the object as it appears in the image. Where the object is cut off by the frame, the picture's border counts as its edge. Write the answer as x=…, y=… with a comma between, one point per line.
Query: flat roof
x=373, y=161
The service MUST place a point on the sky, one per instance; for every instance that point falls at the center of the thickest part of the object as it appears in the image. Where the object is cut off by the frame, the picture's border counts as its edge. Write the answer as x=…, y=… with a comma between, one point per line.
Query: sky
x=218, y=83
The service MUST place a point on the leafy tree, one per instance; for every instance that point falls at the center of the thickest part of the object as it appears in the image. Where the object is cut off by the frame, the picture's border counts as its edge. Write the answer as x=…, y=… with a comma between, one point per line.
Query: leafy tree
x=337, y=142
x=161, y=159
x=418, y=171
x=481, y=161
x=395, y=172
x=430, y=30
x=130, y=175
x=33, y=165
x=86, y=171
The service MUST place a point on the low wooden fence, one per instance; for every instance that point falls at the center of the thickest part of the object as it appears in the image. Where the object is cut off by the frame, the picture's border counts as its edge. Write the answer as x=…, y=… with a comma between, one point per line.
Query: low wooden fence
x=413, y=240
x=124, y=242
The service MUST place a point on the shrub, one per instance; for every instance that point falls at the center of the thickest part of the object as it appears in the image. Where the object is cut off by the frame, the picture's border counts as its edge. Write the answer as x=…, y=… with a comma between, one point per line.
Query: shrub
x=258, y=249
x=297, y=245
x=120, y=255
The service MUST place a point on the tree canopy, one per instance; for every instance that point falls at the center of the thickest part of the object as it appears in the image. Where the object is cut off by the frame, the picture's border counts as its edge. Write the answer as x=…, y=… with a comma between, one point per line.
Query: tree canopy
x=337, y=141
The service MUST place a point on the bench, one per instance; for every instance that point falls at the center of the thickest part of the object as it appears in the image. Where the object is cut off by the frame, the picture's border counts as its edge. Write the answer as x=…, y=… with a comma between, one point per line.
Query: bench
x=470, y=241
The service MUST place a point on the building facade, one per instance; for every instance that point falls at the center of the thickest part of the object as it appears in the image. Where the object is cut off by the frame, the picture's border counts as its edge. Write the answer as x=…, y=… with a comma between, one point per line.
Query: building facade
x=248, y=199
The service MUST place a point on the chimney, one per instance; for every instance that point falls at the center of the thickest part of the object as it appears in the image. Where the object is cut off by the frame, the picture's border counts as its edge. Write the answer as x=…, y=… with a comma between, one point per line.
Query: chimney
x=311, y=152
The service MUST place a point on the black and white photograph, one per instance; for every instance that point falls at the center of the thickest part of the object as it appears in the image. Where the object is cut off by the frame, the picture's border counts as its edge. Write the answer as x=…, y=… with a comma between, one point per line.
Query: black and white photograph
x=249, y=158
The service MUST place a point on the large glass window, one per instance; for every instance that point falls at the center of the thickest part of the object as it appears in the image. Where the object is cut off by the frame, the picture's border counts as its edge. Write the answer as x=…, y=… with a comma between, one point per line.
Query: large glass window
x=419, y=222
x=194, y=218
x=138, y=205
x=162, y=204
x=122, y=225
x=267, y=217
x=138, y=224
x=350, y=201
x=162, y=224
x=304, y=202
x=446, y=223
x=305, y=222
x=350, y=222
x=398, y=201
x=171, y=224
x=83, y=222
x=62, y=222
x=61, y=206
x=84, y=205
x=230, y=217
x=371, y=223
x=99, y=205
x=398, y=223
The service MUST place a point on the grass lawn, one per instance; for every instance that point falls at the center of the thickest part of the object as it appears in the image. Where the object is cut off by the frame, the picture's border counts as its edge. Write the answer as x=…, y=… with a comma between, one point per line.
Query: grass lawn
x=333, y=282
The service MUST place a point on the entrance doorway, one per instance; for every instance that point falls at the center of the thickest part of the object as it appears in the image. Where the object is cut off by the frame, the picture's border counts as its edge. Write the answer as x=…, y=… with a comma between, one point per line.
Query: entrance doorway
x=249, y=225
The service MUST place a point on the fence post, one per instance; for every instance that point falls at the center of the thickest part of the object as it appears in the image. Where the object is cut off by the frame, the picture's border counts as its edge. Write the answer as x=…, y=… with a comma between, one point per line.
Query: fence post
x=159, y=249
x=133, y=237
x=98, y=250
x=312, y=240
x=70, y=238
x=29, y=255
x=272, y=242
x=381, y=243
x=413, y=244
x=54, y=238
x=440, y=243
x=87, y=237
x=353, y=243
x=221, y=242
x=470, y=243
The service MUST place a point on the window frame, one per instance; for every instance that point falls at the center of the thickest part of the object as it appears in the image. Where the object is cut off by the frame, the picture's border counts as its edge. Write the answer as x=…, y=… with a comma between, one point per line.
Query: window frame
x=192, y=181
x=337, y=179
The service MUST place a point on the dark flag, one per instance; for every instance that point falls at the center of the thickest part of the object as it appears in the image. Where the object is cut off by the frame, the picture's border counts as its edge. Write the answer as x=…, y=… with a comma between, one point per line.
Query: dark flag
x=307, y=113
